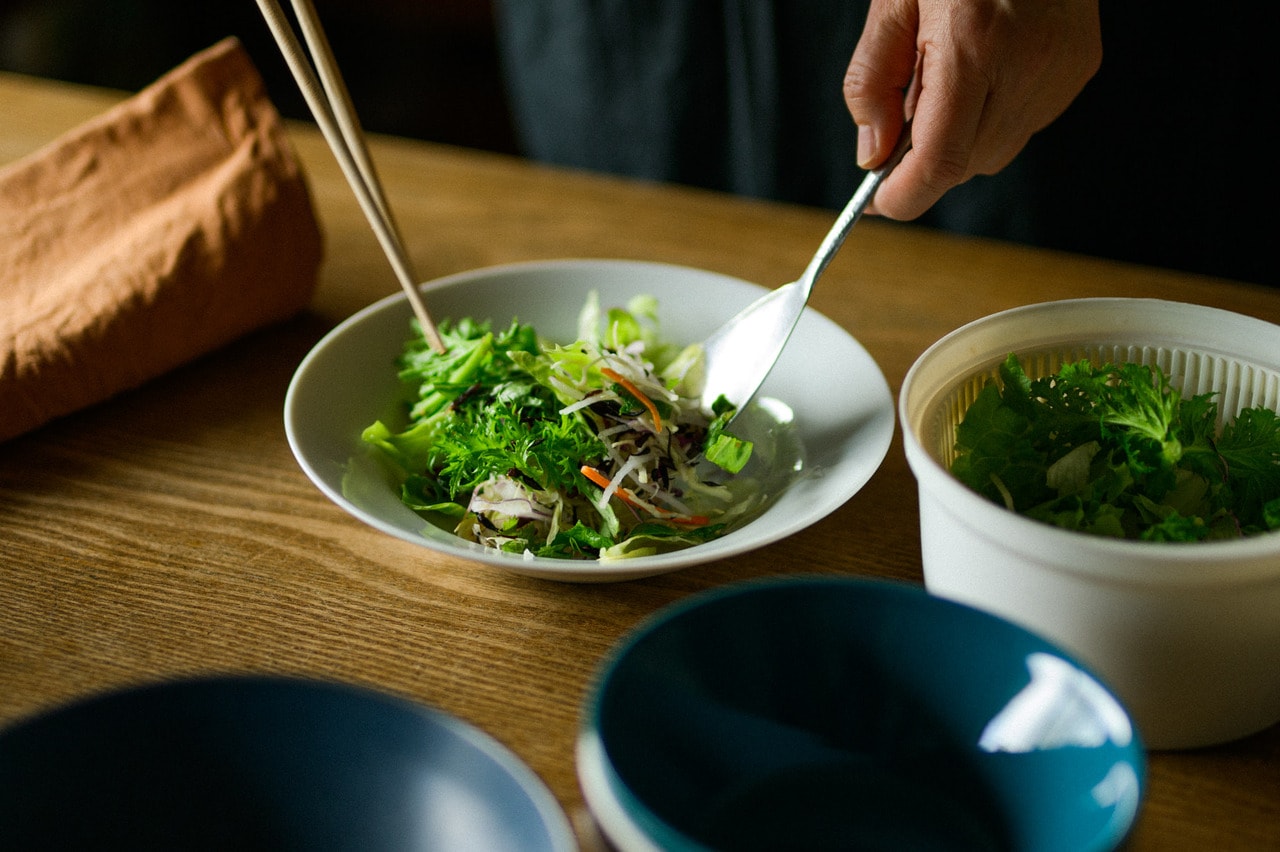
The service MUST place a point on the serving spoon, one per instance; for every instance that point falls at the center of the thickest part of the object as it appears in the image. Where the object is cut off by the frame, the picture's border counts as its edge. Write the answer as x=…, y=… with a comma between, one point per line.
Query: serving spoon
x=740, y=354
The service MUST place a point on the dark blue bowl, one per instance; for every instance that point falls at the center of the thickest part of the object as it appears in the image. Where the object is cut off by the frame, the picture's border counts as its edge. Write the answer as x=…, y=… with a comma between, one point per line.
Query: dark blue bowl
x=835, y=713
x=264, y=763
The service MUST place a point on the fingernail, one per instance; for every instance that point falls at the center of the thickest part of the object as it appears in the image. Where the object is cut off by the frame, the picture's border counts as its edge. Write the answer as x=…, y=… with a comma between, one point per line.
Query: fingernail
x=866, y=146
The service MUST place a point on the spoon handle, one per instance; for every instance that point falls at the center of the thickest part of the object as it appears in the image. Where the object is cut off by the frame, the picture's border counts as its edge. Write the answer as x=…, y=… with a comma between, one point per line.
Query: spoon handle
x=853, y=210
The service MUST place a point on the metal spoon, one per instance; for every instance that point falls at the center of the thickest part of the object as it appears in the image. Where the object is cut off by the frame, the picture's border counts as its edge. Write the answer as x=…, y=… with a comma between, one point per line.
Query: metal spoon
x=740, y=354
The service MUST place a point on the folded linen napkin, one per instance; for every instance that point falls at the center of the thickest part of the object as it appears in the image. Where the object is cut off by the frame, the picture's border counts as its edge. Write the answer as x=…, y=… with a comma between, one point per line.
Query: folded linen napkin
x=166, y=227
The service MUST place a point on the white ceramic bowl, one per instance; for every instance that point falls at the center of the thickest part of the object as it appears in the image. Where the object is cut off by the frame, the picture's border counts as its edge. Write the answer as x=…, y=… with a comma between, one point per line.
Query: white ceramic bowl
x=822, y=435
x=1188, y=634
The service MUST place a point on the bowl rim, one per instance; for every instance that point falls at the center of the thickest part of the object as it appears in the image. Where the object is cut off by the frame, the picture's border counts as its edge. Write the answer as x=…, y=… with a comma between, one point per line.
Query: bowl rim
x=242, y=689
x=635, y=823
x=1237, y=561
x=876, y=427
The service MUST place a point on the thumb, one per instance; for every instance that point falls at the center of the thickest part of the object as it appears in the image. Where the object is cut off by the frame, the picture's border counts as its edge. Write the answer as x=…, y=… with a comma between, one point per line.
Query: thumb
x=880, y=71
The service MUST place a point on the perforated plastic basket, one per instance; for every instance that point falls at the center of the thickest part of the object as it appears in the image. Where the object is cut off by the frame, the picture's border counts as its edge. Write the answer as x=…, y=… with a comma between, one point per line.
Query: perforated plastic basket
x=1187, y=633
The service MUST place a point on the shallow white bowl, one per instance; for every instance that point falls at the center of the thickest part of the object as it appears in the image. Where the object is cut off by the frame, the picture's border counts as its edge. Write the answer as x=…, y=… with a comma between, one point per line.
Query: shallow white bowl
x=1188, y=634
x=833, y=394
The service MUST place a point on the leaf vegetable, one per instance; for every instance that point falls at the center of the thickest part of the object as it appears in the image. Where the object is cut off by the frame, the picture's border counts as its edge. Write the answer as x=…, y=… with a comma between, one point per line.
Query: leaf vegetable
x=1114, y=450
x=595, y=450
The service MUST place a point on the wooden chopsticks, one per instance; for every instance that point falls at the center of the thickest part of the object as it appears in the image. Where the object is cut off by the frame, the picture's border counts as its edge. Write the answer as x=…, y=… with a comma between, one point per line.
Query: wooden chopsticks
x=330, y=102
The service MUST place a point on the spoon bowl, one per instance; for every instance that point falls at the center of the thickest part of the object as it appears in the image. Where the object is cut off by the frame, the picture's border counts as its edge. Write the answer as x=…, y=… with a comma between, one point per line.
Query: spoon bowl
x=740, y=353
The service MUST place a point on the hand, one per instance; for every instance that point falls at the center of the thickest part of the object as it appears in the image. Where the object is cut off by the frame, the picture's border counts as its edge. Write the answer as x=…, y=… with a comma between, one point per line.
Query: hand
x=979, y=78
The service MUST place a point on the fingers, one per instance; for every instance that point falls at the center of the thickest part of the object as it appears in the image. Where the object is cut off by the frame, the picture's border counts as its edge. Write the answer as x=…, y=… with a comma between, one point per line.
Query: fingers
x=944, y=135
x=880, y=71
x=984, y=76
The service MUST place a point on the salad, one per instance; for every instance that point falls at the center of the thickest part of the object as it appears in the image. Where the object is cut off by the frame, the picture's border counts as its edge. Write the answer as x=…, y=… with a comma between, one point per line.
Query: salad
x=599, y=449
x=1114, y=450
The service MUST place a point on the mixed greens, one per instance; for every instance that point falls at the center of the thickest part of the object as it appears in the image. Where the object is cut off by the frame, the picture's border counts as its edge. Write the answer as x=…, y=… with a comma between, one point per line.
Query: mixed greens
x=1114, y=450
x=595, y=450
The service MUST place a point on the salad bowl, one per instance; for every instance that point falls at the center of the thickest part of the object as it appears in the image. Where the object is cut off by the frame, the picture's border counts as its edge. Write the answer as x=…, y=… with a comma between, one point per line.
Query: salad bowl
x=1185, y=631
x=843, y=713
x=817, y=438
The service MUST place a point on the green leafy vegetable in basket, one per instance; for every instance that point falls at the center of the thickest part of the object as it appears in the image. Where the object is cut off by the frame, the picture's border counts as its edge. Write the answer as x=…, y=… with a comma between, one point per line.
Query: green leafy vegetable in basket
x=595, y=450
x=1114, y=450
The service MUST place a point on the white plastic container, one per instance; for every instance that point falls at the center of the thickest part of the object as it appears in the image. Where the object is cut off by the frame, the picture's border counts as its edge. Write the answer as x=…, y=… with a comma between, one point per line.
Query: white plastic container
x=1188, y=634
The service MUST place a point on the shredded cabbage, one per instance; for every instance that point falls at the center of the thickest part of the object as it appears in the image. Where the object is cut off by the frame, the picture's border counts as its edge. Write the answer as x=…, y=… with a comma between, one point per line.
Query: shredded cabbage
x=599, y=449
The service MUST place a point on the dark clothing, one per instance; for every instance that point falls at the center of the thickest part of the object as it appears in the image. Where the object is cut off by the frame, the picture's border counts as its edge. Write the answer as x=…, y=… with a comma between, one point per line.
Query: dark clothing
x=745, y=96
x=730, y=94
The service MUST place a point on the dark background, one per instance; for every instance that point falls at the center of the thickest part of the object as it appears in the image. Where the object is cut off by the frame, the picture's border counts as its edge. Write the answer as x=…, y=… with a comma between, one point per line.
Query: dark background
x=1167, y=158
x=427, y=69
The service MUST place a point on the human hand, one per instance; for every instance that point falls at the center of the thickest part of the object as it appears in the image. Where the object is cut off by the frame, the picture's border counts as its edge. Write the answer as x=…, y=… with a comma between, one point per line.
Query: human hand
x=979, y=77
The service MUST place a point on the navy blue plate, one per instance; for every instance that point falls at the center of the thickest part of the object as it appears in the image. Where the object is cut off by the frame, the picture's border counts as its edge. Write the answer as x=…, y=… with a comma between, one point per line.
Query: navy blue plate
x=266, y=763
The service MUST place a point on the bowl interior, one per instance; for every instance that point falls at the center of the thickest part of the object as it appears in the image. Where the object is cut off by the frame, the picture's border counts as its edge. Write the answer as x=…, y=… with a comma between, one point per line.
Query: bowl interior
x=256, y=763
x=824, y=711
x=820, y=435
x=1200, y=349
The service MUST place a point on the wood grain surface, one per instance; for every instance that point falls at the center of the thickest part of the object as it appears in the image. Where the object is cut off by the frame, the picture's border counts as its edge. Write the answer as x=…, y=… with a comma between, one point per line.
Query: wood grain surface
x=169, y=532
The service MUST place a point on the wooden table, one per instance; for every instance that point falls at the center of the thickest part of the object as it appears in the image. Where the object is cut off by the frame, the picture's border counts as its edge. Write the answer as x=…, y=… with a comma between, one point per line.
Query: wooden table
x=169, y=532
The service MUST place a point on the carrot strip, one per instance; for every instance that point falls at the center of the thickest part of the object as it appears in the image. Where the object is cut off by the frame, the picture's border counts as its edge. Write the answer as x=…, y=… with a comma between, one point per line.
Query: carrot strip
x=629, y=386
x=603, y=481
x=690, y=520
x=630, y=499
x=594, y=475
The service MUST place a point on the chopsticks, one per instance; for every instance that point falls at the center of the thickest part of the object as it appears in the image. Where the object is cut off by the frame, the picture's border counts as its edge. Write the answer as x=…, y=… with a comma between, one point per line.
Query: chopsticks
x=330, y=102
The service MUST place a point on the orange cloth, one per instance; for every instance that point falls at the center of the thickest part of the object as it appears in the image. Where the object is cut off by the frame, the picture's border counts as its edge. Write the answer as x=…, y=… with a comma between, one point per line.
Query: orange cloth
x=170, y=225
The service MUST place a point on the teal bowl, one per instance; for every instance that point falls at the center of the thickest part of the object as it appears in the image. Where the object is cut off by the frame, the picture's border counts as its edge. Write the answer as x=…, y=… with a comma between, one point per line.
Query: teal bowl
x=838, y=713
x=266, y=763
